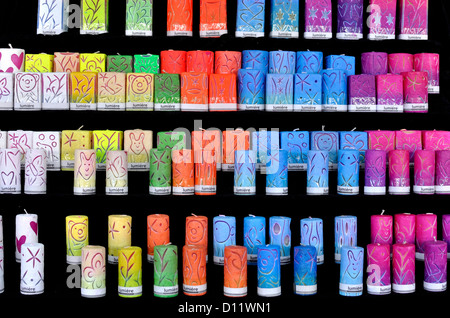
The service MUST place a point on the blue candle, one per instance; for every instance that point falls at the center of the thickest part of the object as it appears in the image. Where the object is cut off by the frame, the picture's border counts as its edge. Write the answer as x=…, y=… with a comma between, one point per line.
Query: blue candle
x=312, y=235
x=296, y=143
x=244, y=172
x=251, y=89
x=326, y=141
x=269, y=271
x=255, y=60
x=305, y=270
x=348, y=172
x=354, y=140
x=334, y=90
x=307, y=92
x=282, y=62
x=341, y=62
x=351, y=271
x=309, y=62
x=254, y=236
x=345, y=234
x=284, y=19
x=250, y=18
x=263, y=142
x=317, y=173
x=224, y=232
x=280, y=235
x=277, y=173
x=279, y=92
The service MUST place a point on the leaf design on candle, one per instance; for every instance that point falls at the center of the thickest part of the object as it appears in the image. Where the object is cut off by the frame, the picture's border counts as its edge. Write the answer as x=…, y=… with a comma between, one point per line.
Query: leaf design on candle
x=105, y=142
x=83, y=88
x=94, y=15
x=47, y=15
x=179, y=15
x=403, y=268
x=163, y=272
x=55, y=88
x=125, y=272
x=235, y=265
x=139, y=15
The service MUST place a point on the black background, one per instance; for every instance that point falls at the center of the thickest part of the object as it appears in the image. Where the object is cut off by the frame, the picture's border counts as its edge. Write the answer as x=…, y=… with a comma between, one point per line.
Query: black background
x=18, y=27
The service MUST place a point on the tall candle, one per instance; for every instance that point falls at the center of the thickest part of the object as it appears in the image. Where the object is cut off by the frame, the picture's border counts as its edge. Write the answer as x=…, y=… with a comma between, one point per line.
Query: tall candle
x=345, y=234
x=173, y=61
x=348, y=172
x=27, y=91
x=318, y=19
x=139, y=18
x=435, y=277
x=235, y=271
x=194, y=92
x=279, y=93
x=381, y=229
x=250, y=18
x=12, y=60
x=165, y=281
x=7, y=94
x=264, y=143
x=254, y=236
x=84, y=172
x=351, y=271
x=32, y=269
x=245, y=172
x=317, y=173
x=70, y=141
x=194, y=270
x=341, y=62
x=269, y=271
x=94, y=15
x=445, y=231
x=426, y=231
x=213, y=19
x=362, y=95
x=310, y=62
x=227, y=62
x=442, y=172
x=200, y=62
x=296, y=143
x=282, y=62
x=307, y=92
x=66, y=62
x=83, y=91
x=405, y=228
x=205, y=173
x=280, y=235
x=140, y=92
x=179, y=17
x=183, y=172
x=26, y=232
x=52, y=19
x=375, y=172
x=374, y=63
x=389, y=93
x=251, y=89
x=111, y=91
x=305, y=270
x=410, y=140
x=116, y=173
x=222, y=92
x=158, y=233
x=137, y=144
x=424, y=172
x=197, y=231
x=146, y=63
x=119, y=235
x=233, y=140
x=334, y=90
x=255, y=60
x=2, y=258
x=400, y=62
x=382, y=20
x=429, y=62
x=378, y=269
x=415, y=90
x=224, y=234
x=399, y=180
x=350, y=19
x=413, y=20
x=93, y=271
x=312, y=235
x=130, y=272
x=35, y=171
x=10, y=166
x=277, y=173
x=160, y=172
x=55, y=91
x=77, y=237
x=167, y=92
x=403, y=268
x=210, y=140
x=327, y=141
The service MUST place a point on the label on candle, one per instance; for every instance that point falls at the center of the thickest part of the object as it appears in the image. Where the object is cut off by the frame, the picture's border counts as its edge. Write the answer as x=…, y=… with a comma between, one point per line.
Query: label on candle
x=334, y=108
x=424, y=189
x=235, y=292
x=111, y=106
x=434, y=89
x=308, y=108
x=380, y=37
x=212, y=33
x=83, y=106
x=317, y=191
x=116, y=190
x=420, y=256
x=435, y=287
x=222, y=106
x=165, y=290
x=132, y=166
x=378, y=290
x=83, y=191
x=337, y=257
x=67, y=165
x=218, y=260
x=138, y=33
x=276, y=191
x=320, y=259
x=390, y=108
x=348, y=36
x=318, y=35
x=279, y=107
x=347, y=190
x=150, y=258
x=194, y=289
x=183, y=190
x=205, y=189
x=194, y=107
x=30, y=290
x=243, y=34
x=404, y=289
x=374, y=190
x=251, y=107
x=244, y=190
x=252, y=258
x=362, y=108
x=412, y=37
x=399, y=190
x=305, y=290
x=442, y=189
x=139, y=106
x=168, y=107
x=113, y=259
x=349, y=289
x=160, y=190
x=415, y=107
x=285, y=260
x=130, y=291
x=297, y=166
x=93, y=293
x=284, y=34
x=179, y=33
x=276, y=291
x=228, y=167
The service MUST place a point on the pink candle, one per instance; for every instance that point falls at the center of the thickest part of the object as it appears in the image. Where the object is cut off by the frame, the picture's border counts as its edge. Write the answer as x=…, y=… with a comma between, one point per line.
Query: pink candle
x=436, y=140
x=429, y=63
x=410, y=140
x=405, y=228
x=403, y=268
x=382, y=20
x=400, y=62
x=442, y=172
x=381, y=140
x=424, y=172
x=381, y=229
x=389, y=93
x=413, y=20
x=426, y=231
x=399, y=182
x=446, y=231
x=378, y=269
x=415, y=92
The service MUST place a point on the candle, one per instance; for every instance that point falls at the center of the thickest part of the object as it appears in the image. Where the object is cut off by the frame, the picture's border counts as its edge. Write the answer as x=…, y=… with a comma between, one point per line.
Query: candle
x=305, y=270
x=381, y=229
x=12, y=60
x=94, y=15
x=119, y=235
x=20, y=140
x=442, y=172
x=282, y=62
x=424, y=172
x=130, y=272
x=334, y=90
x=194, y=92
x=413, y=20
x=254, y=236
x=429, y=62
x=222, y=92
x=83, y=91
x=194, y=270
x=139, y=18
x=39, y=63
x=32, y=269
x=280, y=235
x=35, y=171
x=93, y=271
x=426, y=231
x=374, y=63
x=93, y=62
x=27, y=91
x=71, y=140
x=205, y=173
x=183, y=172
x=173, y=62
x=245, y=172
x=399, y=180
x=403, y=268
x=52, y=19
x=167, y=92
x=116, y=173
x=2, y=259
x=26, y=232
x=179, y=17
x=251, y=89
x=410, y=140
x=65, y=62
x=255, y=60
x=197, y=231
x=381, y=140
x=224, y=234
x=445, y=230
x=233, y=140
x=341, y=62
x=55, y=91
x=104, y=141
x=375, y=172
x=277, y=172
x=158, y=233
x=213, y=19
x=10, y=166
x=200, y=62
x=296, y=143
x=312, y=235
x=317, y=172
x=382, y=20
x=119, y=64
x=7, y=94
x=350, y=20
x=400, y=62
x=279, y=93
x=250, y=19
x=309, y=62
x=357, y=140
x=307, y=92
x=415, y=90
x=269, y=271
x=147, y=63
x=405, y=228
x=348, y=172
x=345, y=234
x=77, y=237
x=160, y=172
x=318, y=19
x=235, y=271
x=327, y=141
x=3, y=139
x=227, y=62
x=351, y=271
x=171, y=140
x=140, y=91
x=435, y=278
x=165, y=281
x=209, y=140
x=111, y=91
x=137, y=145
x=378, y=269
x=390, y=93
x=263, y=142
x=284, y=19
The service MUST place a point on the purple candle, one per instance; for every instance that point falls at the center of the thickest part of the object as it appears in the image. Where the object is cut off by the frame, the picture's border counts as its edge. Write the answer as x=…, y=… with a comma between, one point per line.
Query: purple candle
x=399, y=182
x=442, y=172
x=424, y=172
x=403, y=268
x=378, y=269
x=318, y=19
x=400, y=62
x=415, y=92
x=362, y=96
x=426, y=231
x=382, y=19
x=405, y=228
x=446, y=231
x=350, y=19
x=435, y=278
x=389, y=93
x=375, y=172
x=429, y=62
x=374, y=63
x=413, y=20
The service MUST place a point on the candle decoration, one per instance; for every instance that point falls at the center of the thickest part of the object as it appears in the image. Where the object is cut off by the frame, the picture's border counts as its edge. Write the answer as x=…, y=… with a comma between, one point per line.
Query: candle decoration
x=213, y=18
x=147, y=63
x=284, y=22
x=415, y=90
x=183, y=172
x=280, y=235
x=381, y=229
x=426, y=231
x=222, y=92
x=197, y=231
x=209, y=140
x=93, y=269
x=341, y=62
x=307, y=92
x=445, y=231
x=139, y=18
x=179, y=17
x=165, y=281
x=348, y=172
x=194, y=270
x=442, y=172
x=269, y=271
x=326, y=141
x=435, y=277
x=233, y=140
x=39, y=63
x=413, y=20
x=350, y=20
x=119, y=236
x=250, y=19
x=374, y=63
x=13, y=60
x=130, y=272
x=84, y=172
x=317, y=172
x=70, y=141
x=296, y=143
x=424, y=172
x=200, y=62
x=140, y=91
x=160, y=172
x=167, y=92
x=390, y=93
x=7, y=95
x=32, y=269
x=375, y=172
x=21, y=140
x=66, y=62
x=116, y=173
x=251, y=89
x=378, y=269
x=403, y=268
x=55, y=91
x=282, y=62
x=277, y=172
x=205, y=173
x=312, y=235
x=255, y=60
x=111, y=91
x=227, y=62
x=119, y=63
x=173, y=62
x=171, y=140
x=158, y=233
x=137, y=145
x=357, y=140
x=104, y=141
x=245, y=172
x=26, y=232
x=382, y=20
x=77, y=237
x=334, y=91
x=405, y=228
x=410, y=140
x=35, y=171
x=28, y=91
x=399, y=180
x=351, y=271
x=429, y=63
x=194, y=92
x=279, y=93
x=94, y=15
x=263, y=143
x=310, y=62
x=10, y=166
x=318, y=19
x=400, y=62
x=381, y=140
x=305, y=270
x=93, y=62
x=235, y=271
x=345, y=234
x=83, y=91
x=254, y=236
x=224, y=234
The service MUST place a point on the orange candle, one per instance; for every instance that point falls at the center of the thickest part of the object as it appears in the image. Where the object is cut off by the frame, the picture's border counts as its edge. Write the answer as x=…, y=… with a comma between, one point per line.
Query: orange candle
x=200, y=62
x=197, y=231
x=235, y=271
x=209, y=140
x=205, y=173
x=222, y=92
x=213, y=18
x=179, y=17
x=183, y=172
x=194, y=92
x=233, y=140
x=227, y=62
x=194, y=270
x=158, y=233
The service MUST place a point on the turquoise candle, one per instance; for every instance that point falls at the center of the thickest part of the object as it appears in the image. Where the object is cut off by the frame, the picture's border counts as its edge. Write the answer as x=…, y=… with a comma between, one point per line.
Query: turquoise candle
x=312, y=235
x=280, y=235
x=305, y=270
x=269, y=271
x=254, y=236
x=224, y=234
x=244, y=172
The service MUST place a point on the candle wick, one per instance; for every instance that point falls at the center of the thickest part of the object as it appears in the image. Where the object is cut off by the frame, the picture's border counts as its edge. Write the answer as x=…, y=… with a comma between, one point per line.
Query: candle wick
x=10, y=46
x=323, y=127
x=382, y=212
x=81, y=127
x=251, y=215
x=354, y=129
x=296, y=129
x=193, y=214
x=201, y=128
x=25, y=211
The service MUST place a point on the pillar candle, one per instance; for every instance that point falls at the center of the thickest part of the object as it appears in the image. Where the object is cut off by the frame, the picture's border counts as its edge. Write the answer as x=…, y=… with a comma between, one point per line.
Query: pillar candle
x=197, y=231
x=160, y=172
x=445, y=230
x=147, y=63
x=111, y=91
x=318, y=19
x=350, y=19
x=93, y=271
x=116, y=173
x=382, y=20
x=28, y=91
x=233, y=140
x=2, y=259
x=77, y=237
x=224, y=234
x=307, y=92
x=374, y=63
x=200, y=62
x=66, y=62
x=284, y=19
x=94, y=15
x=194, y=270
x=130, y=272
x=282, y=62
x=381, y=140
x=378, y=269
x=442, y=172
x=194, y=92
x=104, y=141
x=50, y=141
x=119, y=235
x=413, y=20
x=277, y=173
x=435, y=277
x=245, y=172
x=345, y=234
x=119, y=63
x=255, y=60
x=227, y=62
x=179, y=17
x=10, y=171
x=424, y=172
x=334, y=90
x=415, y=91
x=83, y=91
x=357, y=140
x=250, y=18
x=296, y=143
x=183, y=172
x=405, y=228
x=399, y=180
x=26, y=232
x=173, y=62
x=137, y=145
x=280, y=235
x=305, y=270
x=84, y=172
x=167, y=92
x=429, y=62
x=348, y=172
x=32, y=269
x=375, y=172
x=312, y=235
x=263, y=143
x=222, y=92
x=20, y=140
x=251, y=89
x=35, y=172
x=71, y=140
x=254, y=236
x=309, y=62
x=55, y=91
x=3, y=138
x=235, y=271
x=326, y=141
x=317, y=172
x=7, y=91
x=390, y=93
x=93, y=62
x=171, y=140
x=410, y=140
x=39, y=63
x=213, y=19
x=269, y=271
x=205, y=173
x=12, y=60
x=210, y=140
x=362, y=93
x=140, y=91
x=279, y=93
x=351, y=271
x=403, y=268
x=165, y=281
x=426, y=230
x=158, y=233
x=341, y=62
x=381, y=229
x=400, y=62
x=139, y=18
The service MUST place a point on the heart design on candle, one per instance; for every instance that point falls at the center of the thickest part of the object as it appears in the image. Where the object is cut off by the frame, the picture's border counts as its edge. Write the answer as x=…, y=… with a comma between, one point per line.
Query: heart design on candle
x=8, y=179
x=17, y=60
x=332, y=78
x=342, y=9
x=34, y=227
x=20, y=242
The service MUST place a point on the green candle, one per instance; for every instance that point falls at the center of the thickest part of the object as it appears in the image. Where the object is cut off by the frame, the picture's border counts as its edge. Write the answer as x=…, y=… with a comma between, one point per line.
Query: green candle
x=167, y=92
x=130, y=272
x=148, y=63
x=119, y=63
x=160, y=172
x=139, y=18
x=94, y=16
x=171, y=140
x=165, y=283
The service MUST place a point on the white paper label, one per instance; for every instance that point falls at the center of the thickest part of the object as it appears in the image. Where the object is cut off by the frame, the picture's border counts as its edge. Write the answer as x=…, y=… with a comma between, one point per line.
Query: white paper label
x=269, y=292
x=111, y=106
x=285, y=260
x=390, y=108
x=55, y=106
x=346, y=288
x=318, y=35
x=424, y=189
x=194, y=289
x=244, y=34
x=179, y=33
x=297, y=166
x=27, y=106
x=403, y=289
x=183, y=190
x=7, y=106
x=284, y=35
x=194, y=107
x=378, y=290
x=279, y=107
x=442, y=189
x=317, y=191
x=138, y=33
x=235, y=292
x=412, y=37
x=218, y=260
x=348, y=36
x=337, y=257
x=130, y=291
x=380, y=37
x=415, y=107
x=244, y=107
x=93, y=293
x=212, y=33
x=348, y=190
x=165, y=290
x=244, y=190
x=83, y=191
x=222, y=107
x=305, y=290
x=276, y=191
x=205, y=189
x=374, y=190
x=399, y=190
x=83, y=106
x=116, y=190
x=160, y=190
x=362, y=108
x=113, y=259
x=307, y=108
x=67, y=165
x=434, y=89
x=169, y=107
x=73, y=259
x=420, y=256
x=252, y=258
x=141, y=166
x=139, y=106
x=228, y=167
x=334, y=108
x=435, y=287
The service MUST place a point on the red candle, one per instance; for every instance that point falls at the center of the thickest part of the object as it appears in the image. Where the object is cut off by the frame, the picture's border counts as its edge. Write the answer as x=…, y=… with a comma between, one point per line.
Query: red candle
x=173, y=62
x=228, y=62
x=200, y=62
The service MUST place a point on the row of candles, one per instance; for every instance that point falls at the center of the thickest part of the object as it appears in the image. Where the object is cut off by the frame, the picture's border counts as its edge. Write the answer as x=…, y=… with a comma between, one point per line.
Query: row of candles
x=250, y=18
x=404, y=238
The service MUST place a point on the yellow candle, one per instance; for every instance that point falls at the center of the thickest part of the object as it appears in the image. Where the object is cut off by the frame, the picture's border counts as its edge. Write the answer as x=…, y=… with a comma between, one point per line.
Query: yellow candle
x=39, y=63
x=77, y=237
x=71, y=140
x=111, y=91
x=119, y=235
x=93, y=62
x=83, y=91
x=130, y=272
x=104, y=141
x=137, y=144
x=93, y=271
x=140, y=91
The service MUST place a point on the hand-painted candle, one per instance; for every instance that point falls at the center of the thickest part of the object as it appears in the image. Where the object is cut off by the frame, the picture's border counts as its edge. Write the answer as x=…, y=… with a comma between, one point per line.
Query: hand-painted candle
x=378, y=269
x=116, y=173
x=10, y=170
x=245, y=172
x=137, y=145
x=345, y=234
x=93, y=271
x=119, y=235
x=250, y=18
x=381, y=229
x=277, y=172
x=362, y=93
x=139, y=18
x=194, y=92
x=158, y=233
x=222, y=92
x=3, y=138
x=119, y=64
x=7, y=91
x=426, y=231
x=194, y=270
x=413, y=20
x=263, y=143
x=28, y=91
x=39, y=63
x=374, y=63
x=326, y=141
x=2, y=259
x=66, y=62
x=296, y=143
x=209, y=140
x=167, y=92
x=213, y=18
x=415, y=91
x=390, y=93
x=381, y=140
x=197, y=231
x=348, y=172
x=442, y=172
x=104, y=141
x=173, y=62
x=284, y=19
x=160, y=172
x=307, y=92
x=269, y=271
x=436, y=140
x=183, y=172
x=35, y=171
x=227, y=62
x=282, y=62
x=435, y=278
x=233, y=140
x=235, y=271
x=71, y=140
x=424, y=172
x=84, y=172
x=94, y=16
x=165, y=281
x=140, y=91
x=334, y=90
x=12, y=60
x=375, y=172
x=356, y=140
x=317, y=172
x=318, y=19
x=55, y=91
x=32, y=269
x=205, y=178
x=83, y=91
x=351, y=271
x=26, y=232
x=399, y=180
x=200, y=62
x=305, y=270
x=341, y=62
x=350, y=19
x=130, y=272
x=251, y=89
x=309, y=62
x=405, y=228
x=403, y=268
x=255, y=60
x=77, y=237
x=147, y=63
x=93, y=62
x=179, y=17
x=280, y=235
x=279, y=93
x=428, y=62
x=382, y=20
x=111, y=91
x=254, y=236
x=400, y=62
x=445, y=231
x=312, y=235
x=20, y=140
x=410, y=140
x=224, y=234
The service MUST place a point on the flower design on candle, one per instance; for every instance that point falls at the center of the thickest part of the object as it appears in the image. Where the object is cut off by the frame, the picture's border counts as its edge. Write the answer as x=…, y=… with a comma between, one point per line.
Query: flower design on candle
x=93, y=63
x=67, y=62
x=94, y=273
x=126, y=271
x=196, y=231
x=94, y=15
x=84, y=87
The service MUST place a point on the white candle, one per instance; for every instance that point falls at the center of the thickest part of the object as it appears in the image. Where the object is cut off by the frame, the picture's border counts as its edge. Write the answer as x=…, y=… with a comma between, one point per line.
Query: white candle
x=2, y=260
x=32, y=269
x=10, y=171
x=28, y=91
x=26, y=231
x=50, y=141
x=12, y=60
x=116, y=173
x=36, y=171
x=84, y=172
x=3, y=135
x=52, y=17
x=55, y=91
x=20, y=140
x=6, y=91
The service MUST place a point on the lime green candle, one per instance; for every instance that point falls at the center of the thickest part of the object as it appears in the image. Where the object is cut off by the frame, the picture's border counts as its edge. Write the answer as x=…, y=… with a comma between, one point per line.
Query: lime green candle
x=139, y=18
x=94, y=16
x=165, y=283
x=130, y=272
x=171, y=140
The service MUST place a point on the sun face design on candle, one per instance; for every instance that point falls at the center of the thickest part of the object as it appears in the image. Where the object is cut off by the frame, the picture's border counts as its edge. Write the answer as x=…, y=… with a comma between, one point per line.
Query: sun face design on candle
x=195, y=231
x=267, y=260
x=325, y=141
x=87, y=166
x=354, y=267
x=78, y=234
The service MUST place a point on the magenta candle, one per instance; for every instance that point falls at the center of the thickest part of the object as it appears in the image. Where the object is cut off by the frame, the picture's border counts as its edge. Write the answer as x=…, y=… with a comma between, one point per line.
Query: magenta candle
x=426, y=231
x=381, y=229
x=405, y=228
x=442, y=172
x=381, y=140
x=400, y=62
x=415, y=92
x=436, y=140
x=389, y=93
x=382, y=20
x=374, y=63
x=410, y=140
x=413, y=20
x=378, y=269
x=403, y=268
x=435, y=278
x=446, y=231
x=429, y=63
x=375, y=172
x=399, y=181
x=424, y=172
